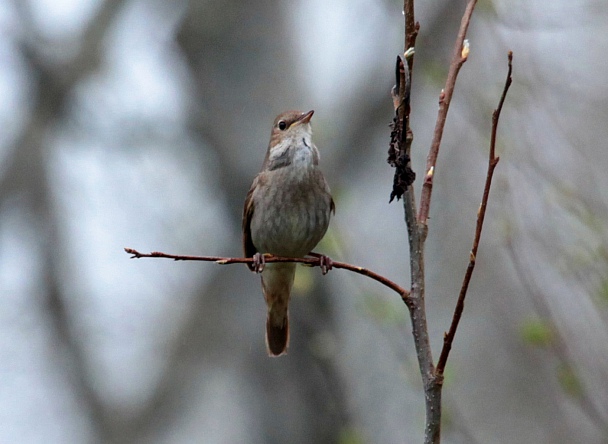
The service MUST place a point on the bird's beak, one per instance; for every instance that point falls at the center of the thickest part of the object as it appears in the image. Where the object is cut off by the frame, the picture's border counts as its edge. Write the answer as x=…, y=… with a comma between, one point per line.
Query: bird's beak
x=305, y=117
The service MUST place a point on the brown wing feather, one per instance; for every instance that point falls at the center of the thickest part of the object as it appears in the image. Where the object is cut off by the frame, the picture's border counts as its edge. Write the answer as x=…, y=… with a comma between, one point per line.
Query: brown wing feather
x=248, y=247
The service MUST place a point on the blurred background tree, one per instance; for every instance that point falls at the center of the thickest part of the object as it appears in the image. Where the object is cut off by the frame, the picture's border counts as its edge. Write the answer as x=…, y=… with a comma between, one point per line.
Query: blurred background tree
x=141, y=123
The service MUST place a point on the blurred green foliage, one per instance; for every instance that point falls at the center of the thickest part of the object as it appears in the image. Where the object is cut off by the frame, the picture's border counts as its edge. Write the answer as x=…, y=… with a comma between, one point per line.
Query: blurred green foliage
x=537, y=333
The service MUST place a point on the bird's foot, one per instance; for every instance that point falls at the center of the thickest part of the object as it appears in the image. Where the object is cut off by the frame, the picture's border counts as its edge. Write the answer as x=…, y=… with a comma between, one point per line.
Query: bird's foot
x=259, y=262
x=325, y=262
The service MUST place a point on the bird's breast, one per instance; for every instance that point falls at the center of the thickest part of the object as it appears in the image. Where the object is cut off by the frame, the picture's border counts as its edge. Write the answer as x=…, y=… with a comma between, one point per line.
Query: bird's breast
x=292, y=211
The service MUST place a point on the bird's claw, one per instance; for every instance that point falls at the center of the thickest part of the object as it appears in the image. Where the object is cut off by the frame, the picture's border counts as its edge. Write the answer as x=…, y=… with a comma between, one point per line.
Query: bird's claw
x=325, y=263
x=259, y=262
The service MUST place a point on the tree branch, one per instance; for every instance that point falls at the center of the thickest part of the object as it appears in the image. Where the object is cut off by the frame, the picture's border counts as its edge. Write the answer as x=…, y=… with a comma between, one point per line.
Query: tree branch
x=445, y=97
x=310, y=261
x=492, y=162
x=411, y=26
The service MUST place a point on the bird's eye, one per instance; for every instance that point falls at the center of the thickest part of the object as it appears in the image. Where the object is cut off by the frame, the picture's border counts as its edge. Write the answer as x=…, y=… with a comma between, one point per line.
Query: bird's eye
x=282, y=125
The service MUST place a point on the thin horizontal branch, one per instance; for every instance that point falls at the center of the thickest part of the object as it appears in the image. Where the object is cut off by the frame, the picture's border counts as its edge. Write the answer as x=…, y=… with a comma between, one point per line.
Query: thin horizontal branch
x=310, y=261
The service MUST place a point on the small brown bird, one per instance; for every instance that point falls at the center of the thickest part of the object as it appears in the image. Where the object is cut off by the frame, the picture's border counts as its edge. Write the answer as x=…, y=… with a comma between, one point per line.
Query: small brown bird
x=286, y=214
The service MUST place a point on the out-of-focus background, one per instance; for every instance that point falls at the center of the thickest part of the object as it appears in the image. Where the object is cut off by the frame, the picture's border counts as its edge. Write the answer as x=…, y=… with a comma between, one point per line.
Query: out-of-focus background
x=141, y=123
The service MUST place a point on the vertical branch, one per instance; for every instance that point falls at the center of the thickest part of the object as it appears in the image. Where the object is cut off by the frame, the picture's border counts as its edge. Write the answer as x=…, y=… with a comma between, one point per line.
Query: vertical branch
x=417, y=221
x=492, y=162
x=416, y=303
x=411, y=26
x=399, y=157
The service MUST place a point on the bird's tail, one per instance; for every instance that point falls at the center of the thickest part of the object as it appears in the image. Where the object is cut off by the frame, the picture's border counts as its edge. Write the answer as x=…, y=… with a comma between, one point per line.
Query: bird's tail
x=277, y=280
x=277, y=336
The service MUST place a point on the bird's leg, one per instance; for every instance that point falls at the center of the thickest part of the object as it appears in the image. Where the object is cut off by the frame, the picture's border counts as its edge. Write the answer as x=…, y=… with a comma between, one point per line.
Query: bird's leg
x=325, y=263
x=259, y=262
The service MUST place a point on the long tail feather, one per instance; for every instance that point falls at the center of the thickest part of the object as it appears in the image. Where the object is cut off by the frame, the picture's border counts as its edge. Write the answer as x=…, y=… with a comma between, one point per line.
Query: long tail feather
x=277, y=337
x=277, y=280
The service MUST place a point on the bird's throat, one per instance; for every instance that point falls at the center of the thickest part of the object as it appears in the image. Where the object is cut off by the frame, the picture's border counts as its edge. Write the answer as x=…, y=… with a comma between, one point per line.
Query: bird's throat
x=300, y=155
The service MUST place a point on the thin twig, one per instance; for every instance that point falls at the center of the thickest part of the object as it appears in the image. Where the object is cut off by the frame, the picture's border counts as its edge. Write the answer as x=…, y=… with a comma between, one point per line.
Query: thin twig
x=492, y=162
x=401, y=101
x=411, y=27
x=310, y=261
x=459, y=57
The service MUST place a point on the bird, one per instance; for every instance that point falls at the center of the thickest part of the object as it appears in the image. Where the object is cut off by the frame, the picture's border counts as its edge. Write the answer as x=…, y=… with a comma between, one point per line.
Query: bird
x=286, y=213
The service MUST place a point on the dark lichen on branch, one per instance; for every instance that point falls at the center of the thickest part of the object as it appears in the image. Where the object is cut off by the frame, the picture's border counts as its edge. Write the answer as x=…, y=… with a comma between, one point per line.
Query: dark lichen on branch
x=401, y=137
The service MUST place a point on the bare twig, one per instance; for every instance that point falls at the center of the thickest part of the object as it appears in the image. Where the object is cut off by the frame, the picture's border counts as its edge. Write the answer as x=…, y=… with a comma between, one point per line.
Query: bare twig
x=458, y=58
x=411, y=27
x=492, y=162
x=310, y=261
x=402, y=138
